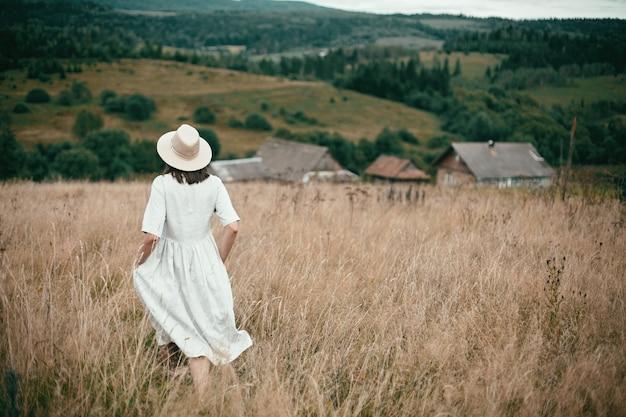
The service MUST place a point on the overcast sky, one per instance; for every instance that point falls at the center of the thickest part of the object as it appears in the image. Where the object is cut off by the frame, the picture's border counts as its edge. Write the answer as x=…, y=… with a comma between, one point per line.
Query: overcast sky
x=483, y=8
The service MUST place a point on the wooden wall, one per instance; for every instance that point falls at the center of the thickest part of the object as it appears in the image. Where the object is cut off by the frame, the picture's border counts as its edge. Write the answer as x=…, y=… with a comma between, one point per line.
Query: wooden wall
x=451, y=170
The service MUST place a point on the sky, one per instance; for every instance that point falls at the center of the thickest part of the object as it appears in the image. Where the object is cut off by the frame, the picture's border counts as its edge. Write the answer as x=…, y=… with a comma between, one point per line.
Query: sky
x=522, y=9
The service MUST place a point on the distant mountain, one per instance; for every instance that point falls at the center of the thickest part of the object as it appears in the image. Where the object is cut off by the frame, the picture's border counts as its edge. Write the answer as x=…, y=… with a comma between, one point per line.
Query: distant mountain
x=273, y=6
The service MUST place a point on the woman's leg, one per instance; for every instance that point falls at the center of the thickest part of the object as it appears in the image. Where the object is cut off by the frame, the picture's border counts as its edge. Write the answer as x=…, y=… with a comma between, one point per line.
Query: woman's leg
x=199, y=368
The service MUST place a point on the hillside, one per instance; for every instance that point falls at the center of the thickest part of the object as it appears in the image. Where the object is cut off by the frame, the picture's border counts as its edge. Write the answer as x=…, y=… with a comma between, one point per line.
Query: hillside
x=587, y=89
x=178, y=88
x=213, y=5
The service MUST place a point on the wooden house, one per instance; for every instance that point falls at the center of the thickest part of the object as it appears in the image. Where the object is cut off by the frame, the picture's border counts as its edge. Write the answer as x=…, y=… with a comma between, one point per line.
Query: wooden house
x=291, y=161
x=284, y=160
x=393, y=169
x=244, y=169
x=503, y=164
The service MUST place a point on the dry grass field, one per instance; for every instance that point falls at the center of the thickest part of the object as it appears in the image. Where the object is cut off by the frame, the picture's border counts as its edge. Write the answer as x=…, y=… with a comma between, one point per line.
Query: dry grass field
x=357, y=305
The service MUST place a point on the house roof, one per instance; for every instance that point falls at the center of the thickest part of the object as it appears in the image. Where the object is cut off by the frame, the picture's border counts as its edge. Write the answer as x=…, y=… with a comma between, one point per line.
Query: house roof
x=503, y=160
x=395, y=168
x=290, y=160
x=244, y=169
x=342, y=175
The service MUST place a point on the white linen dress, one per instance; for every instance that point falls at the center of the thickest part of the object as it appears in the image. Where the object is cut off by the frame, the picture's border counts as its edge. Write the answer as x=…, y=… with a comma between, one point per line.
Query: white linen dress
x=183, y=284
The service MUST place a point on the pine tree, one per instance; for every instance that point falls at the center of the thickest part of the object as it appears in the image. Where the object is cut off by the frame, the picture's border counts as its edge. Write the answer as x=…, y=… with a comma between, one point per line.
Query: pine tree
x=457, y=68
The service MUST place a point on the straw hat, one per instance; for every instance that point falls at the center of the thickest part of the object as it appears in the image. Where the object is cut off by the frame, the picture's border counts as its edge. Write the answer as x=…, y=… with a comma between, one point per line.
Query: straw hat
x=184, y=149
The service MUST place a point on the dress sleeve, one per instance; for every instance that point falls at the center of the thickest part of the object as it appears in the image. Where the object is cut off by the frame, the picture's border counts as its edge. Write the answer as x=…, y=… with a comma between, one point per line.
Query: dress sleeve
x=223, y=206
x=154, y=215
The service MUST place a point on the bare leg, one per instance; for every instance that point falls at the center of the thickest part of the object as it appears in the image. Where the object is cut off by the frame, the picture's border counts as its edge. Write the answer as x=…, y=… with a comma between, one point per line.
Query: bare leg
x=199, y=368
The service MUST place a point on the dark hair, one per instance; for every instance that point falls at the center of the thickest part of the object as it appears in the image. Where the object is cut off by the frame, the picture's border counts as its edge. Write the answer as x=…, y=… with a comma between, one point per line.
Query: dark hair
x=189, y=177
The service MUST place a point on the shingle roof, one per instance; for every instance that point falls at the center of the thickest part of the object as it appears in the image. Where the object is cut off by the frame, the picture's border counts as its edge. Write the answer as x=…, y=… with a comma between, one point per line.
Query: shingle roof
x=395, y=168
x=503, y=160
x=289, y=160
x=244, y=169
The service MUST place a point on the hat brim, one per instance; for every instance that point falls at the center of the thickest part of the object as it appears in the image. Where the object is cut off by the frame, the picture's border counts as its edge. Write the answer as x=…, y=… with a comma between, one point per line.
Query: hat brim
x=167, y=154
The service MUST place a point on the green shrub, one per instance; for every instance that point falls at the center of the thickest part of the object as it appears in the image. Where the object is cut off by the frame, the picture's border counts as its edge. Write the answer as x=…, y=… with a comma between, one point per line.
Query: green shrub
x=210, y=136
x=36, y=165
x=298, y=117
x=86, y=122
x=407, y=137
x=388, y=142
x=12, y=155
x=77, y=163
x=37, y=95
x=144, y=157
x=64, y=98
x=42, y=68
x=78, y=93
x=121, y=168
x=441, y=141
x=255, y=121
x=51, y=151
x=203, y=115
x=138, y=107
x=21, y=108
x=236, y=123
x=115, y=104
x=110, y=145
x=105, y=95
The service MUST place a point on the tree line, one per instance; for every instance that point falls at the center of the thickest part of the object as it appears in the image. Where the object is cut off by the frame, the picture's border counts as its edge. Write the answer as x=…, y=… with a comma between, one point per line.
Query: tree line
x=71, y=29
x=540, y=45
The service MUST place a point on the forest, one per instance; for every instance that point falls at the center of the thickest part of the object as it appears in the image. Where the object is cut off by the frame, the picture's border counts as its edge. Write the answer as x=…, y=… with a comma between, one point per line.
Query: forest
x=45, y=38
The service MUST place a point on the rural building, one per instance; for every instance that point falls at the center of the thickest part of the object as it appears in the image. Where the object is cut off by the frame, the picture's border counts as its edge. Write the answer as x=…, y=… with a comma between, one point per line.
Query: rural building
x=391, y=168
x=505, y=164
x=287, y=160
x=245, y=169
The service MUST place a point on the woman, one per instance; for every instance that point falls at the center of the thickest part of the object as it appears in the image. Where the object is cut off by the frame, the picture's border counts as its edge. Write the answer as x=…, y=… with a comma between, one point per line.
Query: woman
x=180, y=275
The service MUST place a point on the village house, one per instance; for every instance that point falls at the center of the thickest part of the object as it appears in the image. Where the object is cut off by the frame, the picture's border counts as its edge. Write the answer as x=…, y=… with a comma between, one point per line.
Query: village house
x=504, y=164
x=287, y=160
x=284, y=160
x=393, y=169
x=244, y=169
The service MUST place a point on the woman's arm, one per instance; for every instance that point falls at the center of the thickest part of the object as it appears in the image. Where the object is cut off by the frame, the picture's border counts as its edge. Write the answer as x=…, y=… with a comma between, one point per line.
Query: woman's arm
x=149, y=241
x=228, y=239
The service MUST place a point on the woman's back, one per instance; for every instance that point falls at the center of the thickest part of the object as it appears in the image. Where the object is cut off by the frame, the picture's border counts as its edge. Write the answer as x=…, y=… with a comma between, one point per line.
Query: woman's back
x=182, y=212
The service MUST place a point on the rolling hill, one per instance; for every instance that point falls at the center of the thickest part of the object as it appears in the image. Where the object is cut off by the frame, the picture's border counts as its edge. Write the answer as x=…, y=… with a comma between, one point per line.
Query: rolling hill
x=213, y=5
x=178, y=88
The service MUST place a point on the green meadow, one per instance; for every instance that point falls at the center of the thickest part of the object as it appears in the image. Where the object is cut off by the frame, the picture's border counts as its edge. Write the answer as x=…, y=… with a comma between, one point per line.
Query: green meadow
x=587, y=89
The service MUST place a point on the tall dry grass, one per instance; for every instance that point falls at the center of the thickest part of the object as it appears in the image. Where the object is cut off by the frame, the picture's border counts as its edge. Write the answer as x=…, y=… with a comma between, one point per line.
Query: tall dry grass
x=357, y=305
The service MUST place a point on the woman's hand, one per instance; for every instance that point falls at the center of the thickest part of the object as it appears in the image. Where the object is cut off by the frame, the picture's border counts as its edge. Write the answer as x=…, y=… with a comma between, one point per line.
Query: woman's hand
x=149, y=241
x=228, y=239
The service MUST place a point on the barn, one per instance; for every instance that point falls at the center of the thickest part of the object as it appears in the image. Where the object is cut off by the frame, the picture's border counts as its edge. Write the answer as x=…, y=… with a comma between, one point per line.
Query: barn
x=244, y=169
x=284, y=160
x=291, y=161
x=393, y=169
x=502, y=164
